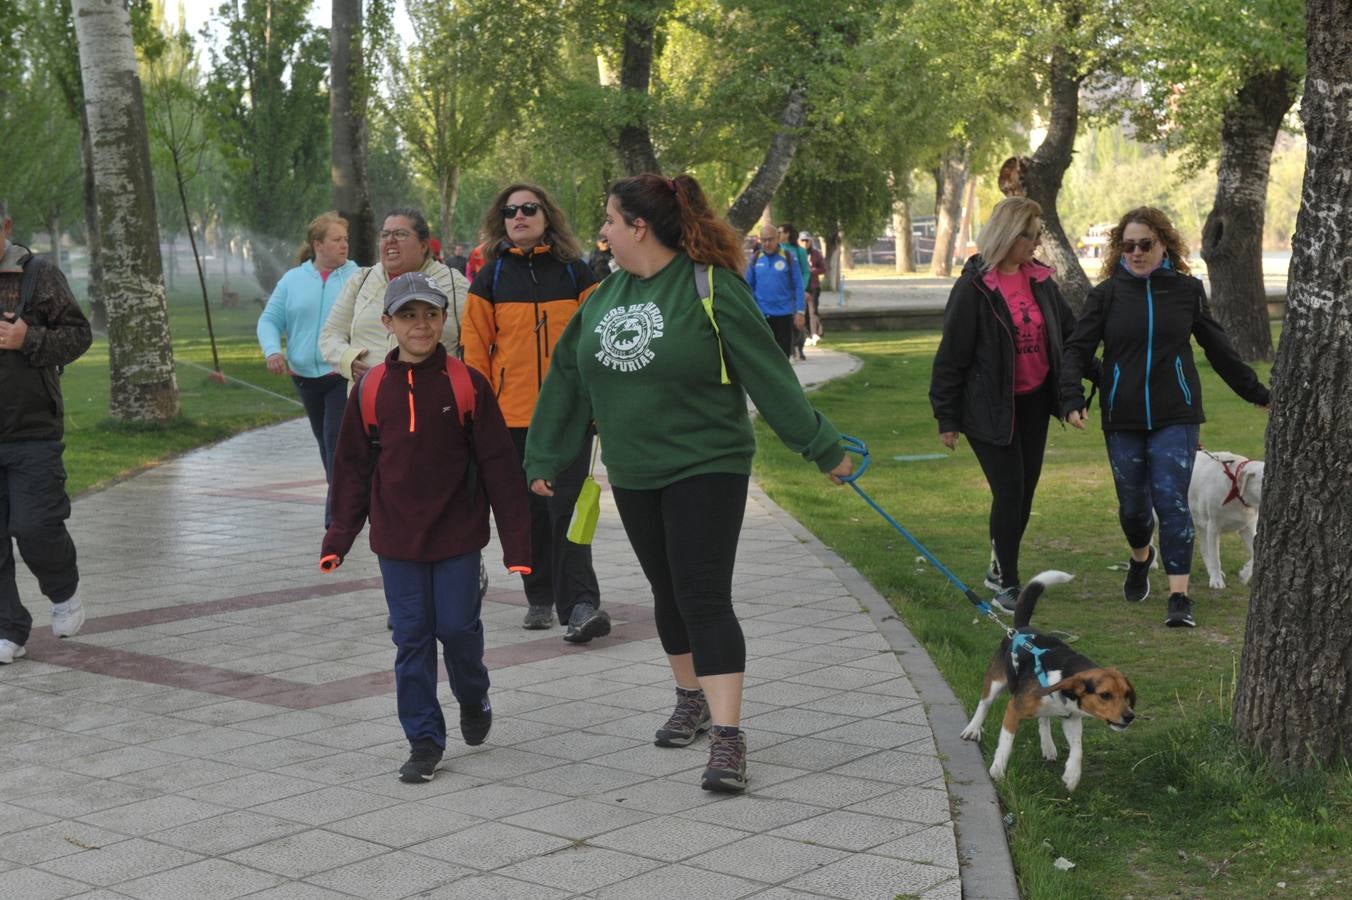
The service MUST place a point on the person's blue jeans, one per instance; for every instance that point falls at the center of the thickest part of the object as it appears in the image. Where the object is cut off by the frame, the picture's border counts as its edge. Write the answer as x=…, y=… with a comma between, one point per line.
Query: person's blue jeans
x=1151, y=470
x=324, y=399
x=431, y=603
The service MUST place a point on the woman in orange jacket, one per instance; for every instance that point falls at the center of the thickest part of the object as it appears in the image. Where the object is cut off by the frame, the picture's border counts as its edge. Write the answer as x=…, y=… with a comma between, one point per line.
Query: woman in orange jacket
x=532, y=281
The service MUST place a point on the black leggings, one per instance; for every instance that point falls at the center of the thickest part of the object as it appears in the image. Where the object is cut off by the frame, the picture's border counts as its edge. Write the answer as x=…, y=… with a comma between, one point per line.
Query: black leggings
x=685, y=538
x=1012, y=471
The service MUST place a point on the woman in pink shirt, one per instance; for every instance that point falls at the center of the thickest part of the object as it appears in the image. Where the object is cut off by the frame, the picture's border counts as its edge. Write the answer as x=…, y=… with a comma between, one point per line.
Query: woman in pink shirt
x=996, y=372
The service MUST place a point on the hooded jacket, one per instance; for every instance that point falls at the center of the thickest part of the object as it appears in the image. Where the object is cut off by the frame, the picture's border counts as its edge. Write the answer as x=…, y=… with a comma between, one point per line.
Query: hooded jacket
x=518, y=306
x=298, y=308
x=972, y=382
x=1149, y=377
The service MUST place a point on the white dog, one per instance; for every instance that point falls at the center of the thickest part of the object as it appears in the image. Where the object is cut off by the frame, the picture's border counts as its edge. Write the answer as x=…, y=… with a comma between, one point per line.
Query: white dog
x=1224, y=494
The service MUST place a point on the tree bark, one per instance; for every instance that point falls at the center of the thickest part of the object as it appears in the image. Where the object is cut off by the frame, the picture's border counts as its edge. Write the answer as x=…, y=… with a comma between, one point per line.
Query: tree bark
x=1294, y=697
x=905, y=243
x=140, y=357
x=1232, y=239
x=449, y=190
x=950, y=178
x=98, y=307
x=636, y=66
x=747, y=207
x=1048, y=168
x=347, y=112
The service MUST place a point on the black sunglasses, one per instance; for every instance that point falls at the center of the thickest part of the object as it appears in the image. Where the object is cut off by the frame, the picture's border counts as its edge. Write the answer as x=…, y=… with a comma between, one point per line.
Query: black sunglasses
x=510, y=210
x=1146, y=245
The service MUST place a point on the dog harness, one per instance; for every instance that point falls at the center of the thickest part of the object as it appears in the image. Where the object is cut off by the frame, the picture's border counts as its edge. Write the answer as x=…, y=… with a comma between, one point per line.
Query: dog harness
x=1022, y=641
x=1233, y=476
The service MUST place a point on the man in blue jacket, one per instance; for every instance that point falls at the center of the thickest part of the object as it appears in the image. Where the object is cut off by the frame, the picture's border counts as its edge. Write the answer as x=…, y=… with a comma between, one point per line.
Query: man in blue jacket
x=777, y=285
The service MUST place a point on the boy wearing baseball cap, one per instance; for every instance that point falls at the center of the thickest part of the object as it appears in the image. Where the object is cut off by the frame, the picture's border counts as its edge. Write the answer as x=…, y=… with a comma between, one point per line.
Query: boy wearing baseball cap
x=426, y=474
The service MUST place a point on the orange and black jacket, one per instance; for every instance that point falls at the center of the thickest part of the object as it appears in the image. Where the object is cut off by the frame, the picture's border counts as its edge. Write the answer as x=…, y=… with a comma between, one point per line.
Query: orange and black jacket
x=518, y=306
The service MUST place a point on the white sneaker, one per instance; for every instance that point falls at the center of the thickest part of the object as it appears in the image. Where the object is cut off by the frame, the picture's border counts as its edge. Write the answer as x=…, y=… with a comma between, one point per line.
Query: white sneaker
x=67, y=618
x=10, y=651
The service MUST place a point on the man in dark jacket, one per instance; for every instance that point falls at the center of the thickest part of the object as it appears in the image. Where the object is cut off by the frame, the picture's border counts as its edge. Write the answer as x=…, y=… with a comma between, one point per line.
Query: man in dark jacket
x=41, y=330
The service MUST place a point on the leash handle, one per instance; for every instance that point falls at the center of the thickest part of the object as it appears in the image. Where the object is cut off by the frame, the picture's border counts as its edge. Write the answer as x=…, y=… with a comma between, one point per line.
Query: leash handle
x=855, y=445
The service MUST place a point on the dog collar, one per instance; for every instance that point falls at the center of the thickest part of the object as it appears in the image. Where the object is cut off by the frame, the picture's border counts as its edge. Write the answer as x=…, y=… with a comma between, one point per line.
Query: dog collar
x=1234, y=482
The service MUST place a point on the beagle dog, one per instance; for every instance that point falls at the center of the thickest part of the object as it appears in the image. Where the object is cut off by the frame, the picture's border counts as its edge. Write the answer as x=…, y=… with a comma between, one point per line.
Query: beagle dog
x=1076, y=688
x=1223, y=496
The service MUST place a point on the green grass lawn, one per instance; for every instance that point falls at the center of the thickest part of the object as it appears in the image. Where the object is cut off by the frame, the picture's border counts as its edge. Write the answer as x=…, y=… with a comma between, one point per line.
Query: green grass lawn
x=1172, y=807
x=99, y=449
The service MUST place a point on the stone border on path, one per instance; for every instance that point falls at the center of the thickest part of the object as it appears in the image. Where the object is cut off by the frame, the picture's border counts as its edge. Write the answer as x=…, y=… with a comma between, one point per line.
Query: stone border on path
x=985, y=865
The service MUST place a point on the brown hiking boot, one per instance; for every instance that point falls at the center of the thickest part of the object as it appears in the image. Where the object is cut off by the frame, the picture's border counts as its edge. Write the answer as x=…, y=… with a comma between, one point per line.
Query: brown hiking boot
x=727, y=763
x=688, y=719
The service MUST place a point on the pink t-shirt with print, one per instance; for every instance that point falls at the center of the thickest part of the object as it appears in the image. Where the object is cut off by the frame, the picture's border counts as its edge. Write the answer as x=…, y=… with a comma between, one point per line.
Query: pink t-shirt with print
x=1030, y=331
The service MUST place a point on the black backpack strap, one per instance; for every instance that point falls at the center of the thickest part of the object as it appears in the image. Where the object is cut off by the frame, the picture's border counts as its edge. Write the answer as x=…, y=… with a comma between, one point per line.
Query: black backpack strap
x=29, y=285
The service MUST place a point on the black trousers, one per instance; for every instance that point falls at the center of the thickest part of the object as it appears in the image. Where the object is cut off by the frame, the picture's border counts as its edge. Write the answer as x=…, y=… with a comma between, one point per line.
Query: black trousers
x=1012, y=472
x=685, y=537
x=561, y=575
x=33, y=510
x=782, y=326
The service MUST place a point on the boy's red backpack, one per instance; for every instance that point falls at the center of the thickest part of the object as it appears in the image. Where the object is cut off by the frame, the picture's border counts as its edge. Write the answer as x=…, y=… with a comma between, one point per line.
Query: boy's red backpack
x=461, y=387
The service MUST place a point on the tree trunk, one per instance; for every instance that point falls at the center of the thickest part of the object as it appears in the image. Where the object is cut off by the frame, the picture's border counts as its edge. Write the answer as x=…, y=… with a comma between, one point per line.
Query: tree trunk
x=905, y=243
x=965, y=225
x=347, y=111
x=449, y=191
x=98, y=307
x=53, y=224
x=746, y=208
x=1232, y=239
x=636, y=67
x=1294, y=698
x=140, y=357
x=950, y=178
x=831, y=253
x=1048, y=168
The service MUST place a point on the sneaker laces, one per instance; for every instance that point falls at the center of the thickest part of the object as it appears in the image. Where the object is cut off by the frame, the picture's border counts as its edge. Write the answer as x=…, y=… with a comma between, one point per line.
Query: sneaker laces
x=688, y=713
x=726, y=753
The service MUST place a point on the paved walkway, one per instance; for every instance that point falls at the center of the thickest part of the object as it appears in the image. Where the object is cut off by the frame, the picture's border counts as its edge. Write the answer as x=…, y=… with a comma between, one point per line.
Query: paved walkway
x=224, y=725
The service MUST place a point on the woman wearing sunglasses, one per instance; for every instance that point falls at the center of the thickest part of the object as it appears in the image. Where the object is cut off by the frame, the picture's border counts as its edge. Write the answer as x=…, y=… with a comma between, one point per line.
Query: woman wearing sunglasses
x=532, y=280
x=1144, y=313
x=996, y=371
x=667, y=378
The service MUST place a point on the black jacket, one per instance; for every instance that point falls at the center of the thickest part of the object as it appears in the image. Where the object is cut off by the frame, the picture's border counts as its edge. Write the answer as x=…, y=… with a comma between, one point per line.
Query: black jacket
x=972, y=383
x=1149, y=378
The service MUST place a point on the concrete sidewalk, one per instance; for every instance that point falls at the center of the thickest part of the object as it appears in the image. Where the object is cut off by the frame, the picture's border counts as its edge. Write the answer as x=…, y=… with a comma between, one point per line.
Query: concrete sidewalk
x=224, y=725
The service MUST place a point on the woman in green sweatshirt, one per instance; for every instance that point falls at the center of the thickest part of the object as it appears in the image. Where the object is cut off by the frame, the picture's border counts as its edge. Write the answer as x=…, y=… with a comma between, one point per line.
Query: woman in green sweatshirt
x=666, y=376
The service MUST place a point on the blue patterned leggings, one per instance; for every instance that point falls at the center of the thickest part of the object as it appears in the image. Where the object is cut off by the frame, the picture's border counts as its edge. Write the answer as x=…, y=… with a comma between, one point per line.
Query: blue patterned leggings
x=1152, y=470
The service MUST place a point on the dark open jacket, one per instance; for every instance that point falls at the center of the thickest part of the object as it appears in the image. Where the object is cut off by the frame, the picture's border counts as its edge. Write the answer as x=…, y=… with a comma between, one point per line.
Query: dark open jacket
x=972, y=383
x=1149, y=378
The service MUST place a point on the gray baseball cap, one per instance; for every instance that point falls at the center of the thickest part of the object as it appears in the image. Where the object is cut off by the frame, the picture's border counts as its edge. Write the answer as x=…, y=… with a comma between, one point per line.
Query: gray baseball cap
x=413, y=286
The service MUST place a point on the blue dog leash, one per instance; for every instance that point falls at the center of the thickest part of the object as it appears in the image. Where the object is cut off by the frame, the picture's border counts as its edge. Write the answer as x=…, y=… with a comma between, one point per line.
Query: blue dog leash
x=854, y=445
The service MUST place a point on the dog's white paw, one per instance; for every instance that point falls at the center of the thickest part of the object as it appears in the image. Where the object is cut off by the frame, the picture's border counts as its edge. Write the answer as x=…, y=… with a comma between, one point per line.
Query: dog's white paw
x=1246, y=573
x=997, y=772
x=1217, y=582
x=1049, y=752
x=1071, y=779
x=971, y=734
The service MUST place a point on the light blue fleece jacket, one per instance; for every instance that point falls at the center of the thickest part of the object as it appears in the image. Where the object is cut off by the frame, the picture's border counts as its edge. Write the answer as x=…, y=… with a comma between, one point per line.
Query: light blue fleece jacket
x=776, y=283
x=298, y=308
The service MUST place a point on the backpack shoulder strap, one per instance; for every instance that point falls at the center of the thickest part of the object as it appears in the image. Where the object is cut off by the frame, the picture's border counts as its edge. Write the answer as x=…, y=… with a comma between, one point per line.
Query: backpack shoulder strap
x=463, y=389
x=497, y=270
x=704, y=286
x=29, y=284
x=367, y=388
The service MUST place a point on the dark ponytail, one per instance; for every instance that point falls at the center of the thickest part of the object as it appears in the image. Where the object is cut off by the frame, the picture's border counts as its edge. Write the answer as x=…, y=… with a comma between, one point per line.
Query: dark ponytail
x=679, y=216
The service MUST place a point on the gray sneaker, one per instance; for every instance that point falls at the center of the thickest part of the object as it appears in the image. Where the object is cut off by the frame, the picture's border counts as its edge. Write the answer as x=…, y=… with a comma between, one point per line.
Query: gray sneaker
x=688, y=720
x=1007, y=598
x=586, y=622
x=538, y=618
x=727, y=764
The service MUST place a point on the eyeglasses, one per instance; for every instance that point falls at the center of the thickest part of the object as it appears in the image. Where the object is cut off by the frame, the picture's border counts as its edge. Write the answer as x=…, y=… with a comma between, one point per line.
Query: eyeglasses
x=1145, y=245
x=398, y=234
x=511, y=209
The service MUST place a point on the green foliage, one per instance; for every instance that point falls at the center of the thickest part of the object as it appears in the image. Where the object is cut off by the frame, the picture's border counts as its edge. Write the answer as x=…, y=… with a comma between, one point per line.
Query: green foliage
x=1200, y=53
x=271, y=114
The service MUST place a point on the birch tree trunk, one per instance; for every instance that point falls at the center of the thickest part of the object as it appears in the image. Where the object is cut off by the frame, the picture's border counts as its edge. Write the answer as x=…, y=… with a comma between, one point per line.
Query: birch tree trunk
x=950, y=178
x=140, y=357
x=1232, y=239
x=773, y=169
x=1294, y=698
x=347, y=112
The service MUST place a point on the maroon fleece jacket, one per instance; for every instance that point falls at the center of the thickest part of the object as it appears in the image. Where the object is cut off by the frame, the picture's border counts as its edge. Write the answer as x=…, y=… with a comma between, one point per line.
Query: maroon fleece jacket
x=414, y=489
